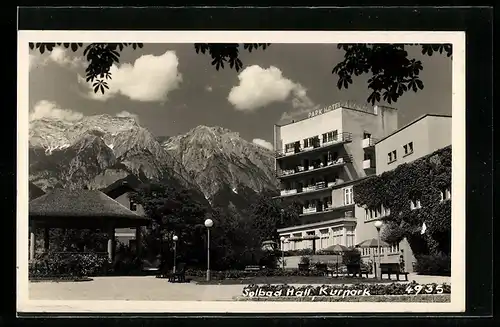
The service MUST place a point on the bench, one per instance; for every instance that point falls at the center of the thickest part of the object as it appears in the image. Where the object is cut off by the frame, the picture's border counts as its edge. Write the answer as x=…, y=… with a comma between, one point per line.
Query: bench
x=392, y=269
x=179, y=275
x=252, y=268
x=356, y=270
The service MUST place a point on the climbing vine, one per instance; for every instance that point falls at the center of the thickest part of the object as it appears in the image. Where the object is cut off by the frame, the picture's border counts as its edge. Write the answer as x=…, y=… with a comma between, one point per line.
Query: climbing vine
x=424, y=179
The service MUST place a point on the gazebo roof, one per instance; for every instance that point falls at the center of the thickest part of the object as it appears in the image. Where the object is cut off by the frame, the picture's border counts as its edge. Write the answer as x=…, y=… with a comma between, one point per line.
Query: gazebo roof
x=82, y=209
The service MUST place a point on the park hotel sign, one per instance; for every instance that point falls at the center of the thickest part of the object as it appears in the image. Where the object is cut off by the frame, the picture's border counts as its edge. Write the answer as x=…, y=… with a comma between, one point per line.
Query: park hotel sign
x=317, y=112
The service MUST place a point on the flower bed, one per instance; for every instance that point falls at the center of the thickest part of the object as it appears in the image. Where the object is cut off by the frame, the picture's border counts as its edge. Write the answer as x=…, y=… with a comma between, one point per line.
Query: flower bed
x=61, y=279
x=427, y=298
x=241, y=274
x=66, y=265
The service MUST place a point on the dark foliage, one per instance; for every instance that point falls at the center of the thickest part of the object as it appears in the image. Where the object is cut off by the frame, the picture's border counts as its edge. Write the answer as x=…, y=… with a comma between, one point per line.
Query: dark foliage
x=438, y=265
x=393, y=73
x=351, y=257
x=100, y=58
x=56, y=265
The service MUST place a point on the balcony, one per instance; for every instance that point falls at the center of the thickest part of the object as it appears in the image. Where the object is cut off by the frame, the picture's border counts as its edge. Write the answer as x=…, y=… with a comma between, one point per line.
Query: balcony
x=368, y=164
x=369, y=142
x=301, y=170
x=342, y=138
x=311, y=189
x=321, y=210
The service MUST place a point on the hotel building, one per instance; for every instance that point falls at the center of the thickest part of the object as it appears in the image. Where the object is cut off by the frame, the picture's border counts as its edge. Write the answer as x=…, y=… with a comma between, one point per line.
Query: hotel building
x=415, y=140
x=318, y=159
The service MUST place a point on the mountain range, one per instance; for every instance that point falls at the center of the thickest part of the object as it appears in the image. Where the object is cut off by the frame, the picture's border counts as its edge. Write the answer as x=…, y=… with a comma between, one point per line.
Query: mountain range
x=99, y=150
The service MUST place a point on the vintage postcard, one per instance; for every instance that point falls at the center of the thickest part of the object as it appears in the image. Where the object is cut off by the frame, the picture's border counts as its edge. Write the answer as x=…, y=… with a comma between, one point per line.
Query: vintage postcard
x=286, y=172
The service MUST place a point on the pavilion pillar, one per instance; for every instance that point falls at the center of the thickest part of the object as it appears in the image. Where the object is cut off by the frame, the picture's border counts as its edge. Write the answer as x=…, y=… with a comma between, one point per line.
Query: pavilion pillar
x=32, y=240
x=138, y=241
x=46, y=239
x=111, y=243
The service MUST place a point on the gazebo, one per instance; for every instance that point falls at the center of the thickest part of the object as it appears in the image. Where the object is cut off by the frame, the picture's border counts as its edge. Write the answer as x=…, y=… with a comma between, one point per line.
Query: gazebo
x=81, y=209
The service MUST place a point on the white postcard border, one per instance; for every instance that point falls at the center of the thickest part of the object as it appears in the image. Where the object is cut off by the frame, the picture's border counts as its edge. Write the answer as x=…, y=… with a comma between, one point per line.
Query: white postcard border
x=457, y=39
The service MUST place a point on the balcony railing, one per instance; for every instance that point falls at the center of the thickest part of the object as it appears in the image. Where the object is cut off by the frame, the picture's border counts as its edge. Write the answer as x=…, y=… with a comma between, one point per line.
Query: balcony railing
x=327, y=208
x=341, y=138
x=301, y=170
x=369, y=142
x=311, y=188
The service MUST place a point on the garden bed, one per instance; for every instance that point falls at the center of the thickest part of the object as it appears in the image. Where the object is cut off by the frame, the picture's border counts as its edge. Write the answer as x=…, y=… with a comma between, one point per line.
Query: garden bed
x=318, y=280
x=60, y=279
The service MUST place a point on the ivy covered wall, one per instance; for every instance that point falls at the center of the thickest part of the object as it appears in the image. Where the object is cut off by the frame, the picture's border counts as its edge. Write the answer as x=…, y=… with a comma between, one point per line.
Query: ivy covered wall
x=424, y=179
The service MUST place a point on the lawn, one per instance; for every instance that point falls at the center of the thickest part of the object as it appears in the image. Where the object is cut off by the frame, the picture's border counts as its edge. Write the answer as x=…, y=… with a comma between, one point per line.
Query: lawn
x=288, y=280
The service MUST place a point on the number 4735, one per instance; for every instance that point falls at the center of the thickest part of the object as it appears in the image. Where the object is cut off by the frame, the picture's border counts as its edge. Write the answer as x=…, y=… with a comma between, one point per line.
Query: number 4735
x=429, y=289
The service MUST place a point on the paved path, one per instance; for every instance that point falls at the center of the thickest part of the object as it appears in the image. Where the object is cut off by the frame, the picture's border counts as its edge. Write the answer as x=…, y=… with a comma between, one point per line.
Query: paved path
x=149, y=289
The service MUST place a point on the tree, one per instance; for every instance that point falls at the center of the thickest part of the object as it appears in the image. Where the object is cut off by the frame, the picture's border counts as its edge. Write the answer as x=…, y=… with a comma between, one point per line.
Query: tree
x=269, y=214
x=393, y=73
x=174, y=212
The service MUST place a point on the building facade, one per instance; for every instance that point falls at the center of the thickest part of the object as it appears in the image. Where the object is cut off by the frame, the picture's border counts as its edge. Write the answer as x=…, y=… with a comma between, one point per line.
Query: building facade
x=318, y=159
x=120, y=192
x=415, y=140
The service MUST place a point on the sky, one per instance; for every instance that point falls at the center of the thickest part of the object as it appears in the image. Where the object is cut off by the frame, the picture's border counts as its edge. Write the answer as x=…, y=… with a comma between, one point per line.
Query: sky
x=171, y=89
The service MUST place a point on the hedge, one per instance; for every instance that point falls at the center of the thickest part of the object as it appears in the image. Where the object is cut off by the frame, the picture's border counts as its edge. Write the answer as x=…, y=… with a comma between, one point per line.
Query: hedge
x=425, y=179
x=66, y=265
x=427, y=298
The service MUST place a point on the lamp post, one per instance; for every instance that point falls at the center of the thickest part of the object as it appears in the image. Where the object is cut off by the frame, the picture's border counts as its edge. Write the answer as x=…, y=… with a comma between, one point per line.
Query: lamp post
x=378, y=225
x=282, y=239
x=175, y=238
x=208, y=224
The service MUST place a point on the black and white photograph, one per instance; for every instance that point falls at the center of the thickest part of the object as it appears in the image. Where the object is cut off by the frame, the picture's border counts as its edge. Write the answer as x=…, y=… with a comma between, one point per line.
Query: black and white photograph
x=256, y=172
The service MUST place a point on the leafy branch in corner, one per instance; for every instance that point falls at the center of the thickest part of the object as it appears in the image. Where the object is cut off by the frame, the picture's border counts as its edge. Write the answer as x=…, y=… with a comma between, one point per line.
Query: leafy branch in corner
x=393, y=72
x=227, y=53
x=100, y=58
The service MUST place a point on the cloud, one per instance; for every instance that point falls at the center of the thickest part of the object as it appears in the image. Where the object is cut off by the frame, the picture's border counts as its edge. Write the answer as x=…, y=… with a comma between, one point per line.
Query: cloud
x=208, y=88
x=263, y=143
x=49, y=109
x=150, y=78
x=59, y=56
x=259, y=87
x=128, y=114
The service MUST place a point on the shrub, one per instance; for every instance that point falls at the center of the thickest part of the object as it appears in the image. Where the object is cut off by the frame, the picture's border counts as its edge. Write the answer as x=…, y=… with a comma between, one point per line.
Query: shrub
x=67, y=264
x=352, y=257
x=437, y=265
x=305, y=260
x=240, y=274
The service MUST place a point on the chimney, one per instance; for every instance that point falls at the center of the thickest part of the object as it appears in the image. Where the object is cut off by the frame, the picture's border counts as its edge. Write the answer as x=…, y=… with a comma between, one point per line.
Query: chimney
x=375, y=110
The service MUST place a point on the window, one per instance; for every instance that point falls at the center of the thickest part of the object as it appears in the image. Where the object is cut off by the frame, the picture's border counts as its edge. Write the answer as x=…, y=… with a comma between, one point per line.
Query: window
x=309, y=142
x=445, y=194
x=366, y=135
x=289, y=147
x=350, y=236
x=133, y=206
x=415, y=203
x=330, y=136
x=408, y=148
x=392, y=156
x=348, y=196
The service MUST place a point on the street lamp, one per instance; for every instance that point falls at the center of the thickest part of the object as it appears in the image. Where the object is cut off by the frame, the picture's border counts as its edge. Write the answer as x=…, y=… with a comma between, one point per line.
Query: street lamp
x=282, y=239
x=175, y=238
x=208, y=224
x=378, y=224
